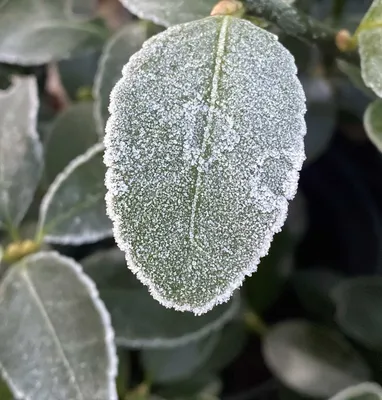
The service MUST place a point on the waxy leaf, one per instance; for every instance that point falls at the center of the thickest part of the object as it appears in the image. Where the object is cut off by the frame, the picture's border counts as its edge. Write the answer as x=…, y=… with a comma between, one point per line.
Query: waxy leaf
x=169, y=12
x=73, y=209
x=203, y=149
x=56, y=341
x=35, y=32
x=373, y=123
x=138, y=320
x=21, y=155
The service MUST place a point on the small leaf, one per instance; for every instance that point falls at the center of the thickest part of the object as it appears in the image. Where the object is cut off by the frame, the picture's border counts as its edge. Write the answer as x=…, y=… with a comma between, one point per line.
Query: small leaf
x=115, y=55
x=312, y=360
x=370, y=50
x=56, y=341
x=73, y=209
x=21, y=156
x=73, y=132
x=363, y=391
x=36, y=32
x=373, y=123
x=168, y=365
x=169, y=12
x=204, y=145
x=140, y=321
x=372, y=16
x=359, y=309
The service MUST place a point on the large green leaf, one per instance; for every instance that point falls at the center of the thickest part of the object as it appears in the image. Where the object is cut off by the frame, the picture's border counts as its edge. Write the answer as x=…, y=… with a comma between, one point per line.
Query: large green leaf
x=21, y=156
x=72, y=133
x=115, y=55
x=73, y=209
x=373, y=123
x=56, y=340
x=204, y=145
x=359, y=309
x=139, y=320
x=312, y=360
x=35, y=32
x=169, y=12
x=363, y=391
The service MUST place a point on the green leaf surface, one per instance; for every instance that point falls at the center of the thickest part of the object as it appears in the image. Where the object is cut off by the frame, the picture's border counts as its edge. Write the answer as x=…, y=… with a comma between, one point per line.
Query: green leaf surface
x=5, y=393
x=34, y=32
x=169, y=12
x=363, y=391
x=312, y=360
x=140, y=321
x=370, y=50
x=21, y=156
x=72, y=133
x=115, y=55
x=203, y=149
x=169, y=365
x=373, y=123
x=56, y=340
x=359, y=309
x=372, y=16
x=73, y=209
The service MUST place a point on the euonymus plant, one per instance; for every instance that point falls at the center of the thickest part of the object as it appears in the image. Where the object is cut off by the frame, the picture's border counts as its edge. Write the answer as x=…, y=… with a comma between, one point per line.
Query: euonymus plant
x=150, y=151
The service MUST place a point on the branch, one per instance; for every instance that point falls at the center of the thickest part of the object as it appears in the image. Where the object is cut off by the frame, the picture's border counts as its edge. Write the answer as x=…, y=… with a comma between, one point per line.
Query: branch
x=298, y=24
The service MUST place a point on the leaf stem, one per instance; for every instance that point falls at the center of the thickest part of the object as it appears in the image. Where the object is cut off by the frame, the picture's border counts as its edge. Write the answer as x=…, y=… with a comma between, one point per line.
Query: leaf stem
x=255, y=323
x=296, y=23
x=338, y=9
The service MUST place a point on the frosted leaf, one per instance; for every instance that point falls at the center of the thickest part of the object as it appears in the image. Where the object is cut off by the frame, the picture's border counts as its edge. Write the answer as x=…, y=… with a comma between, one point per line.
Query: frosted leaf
x=169, y=12
x=373, y=123
x=21, y=157
x=71, y=134
x=203, y=149
x=374, y=14
x=115, y=55
x=56, y=341
x=363, y=391
x=312, y=360
x=35, y=32
x=140, y=321
x=73, y=209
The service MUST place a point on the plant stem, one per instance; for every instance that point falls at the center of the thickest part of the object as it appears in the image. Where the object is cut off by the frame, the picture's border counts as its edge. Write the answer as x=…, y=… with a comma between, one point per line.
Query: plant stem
x=296, y=23
x=254, y=322
x=337, y=9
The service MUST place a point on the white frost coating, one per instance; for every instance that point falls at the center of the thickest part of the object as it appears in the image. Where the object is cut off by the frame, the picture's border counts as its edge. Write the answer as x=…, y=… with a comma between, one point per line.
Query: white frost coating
x=114, y=56
x=169, y=12
x=358, y=391
x=20, y=270
x=370, y=50
x=373, y=123
x=21, y=153
x=203, y=149
x=79, y=228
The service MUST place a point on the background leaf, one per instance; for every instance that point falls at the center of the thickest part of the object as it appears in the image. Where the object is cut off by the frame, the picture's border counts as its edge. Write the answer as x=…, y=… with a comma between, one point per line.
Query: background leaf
x=36, y=32
x=169, y=12
x=139, y=320
x=56, y=339
x=373, y=123
x=115, y=55
x=73, y=209
x=21, y=157
x=363, y=391
x=312, y=360
x=359, y=309
x=218, y=192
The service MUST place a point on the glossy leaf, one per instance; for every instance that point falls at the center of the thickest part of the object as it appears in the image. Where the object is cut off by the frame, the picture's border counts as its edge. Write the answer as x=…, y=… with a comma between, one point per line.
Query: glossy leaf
x=21, y=157
x=169, y=12
x=73, y=209
x=204, y=145
x=359, y=309
x=140, y=321
x=55, y=337
x=312, y=360
x=115, y=55
x=73, y=132
x=363, y=391
x=373, y=123
x=35, y=32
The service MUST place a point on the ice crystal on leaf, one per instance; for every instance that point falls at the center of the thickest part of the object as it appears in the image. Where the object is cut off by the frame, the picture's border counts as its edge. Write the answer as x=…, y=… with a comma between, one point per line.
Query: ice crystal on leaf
x=203, y=149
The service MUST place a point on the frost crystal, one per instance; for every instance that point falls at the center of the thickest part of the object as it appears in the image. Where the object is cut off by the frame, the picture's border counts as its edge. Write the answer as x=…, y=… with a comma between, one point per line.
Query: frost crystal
x=203, y=149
